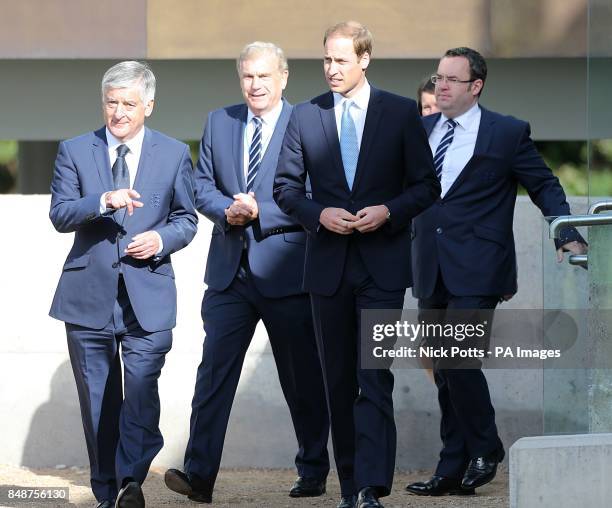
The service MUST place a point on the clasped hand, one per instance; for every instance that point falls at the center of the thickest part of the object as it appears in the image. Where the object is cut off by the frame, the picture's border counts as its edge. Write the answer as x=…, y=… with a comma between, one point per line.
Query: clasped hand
x=344, y=222
x=243, y=210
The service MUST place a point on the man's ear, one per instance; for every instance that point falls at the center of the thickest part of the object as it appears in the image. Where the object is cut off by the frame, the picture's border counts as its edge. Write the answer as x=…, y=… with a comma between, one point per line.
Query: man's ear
x=149, y=108
x=364, y=61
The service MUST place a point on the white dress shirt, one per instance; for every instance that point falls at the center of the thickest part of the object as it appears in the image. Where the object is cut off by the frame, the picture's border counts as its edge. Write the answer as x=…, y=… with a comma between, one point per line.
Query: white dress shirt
x=132, y=158
x=461, y=149
x=268, y=124
x=358, y=111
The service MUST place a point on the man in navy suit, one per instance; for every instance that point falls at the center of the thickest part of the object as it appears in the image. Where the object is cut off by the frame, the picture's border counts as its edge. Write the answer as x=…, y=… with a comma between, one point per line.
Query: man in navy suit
x=254, y=272
x=117, y=294
x=366, y=155
x=463, y=253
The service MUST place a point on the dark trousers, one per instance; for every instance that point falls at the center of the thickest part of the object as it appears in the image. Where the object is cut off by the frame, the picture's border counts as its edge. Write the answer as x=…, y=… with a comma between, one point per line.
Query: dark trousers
x=360, y=400
x=467, y=428
x=230, y=318
x=121, y=429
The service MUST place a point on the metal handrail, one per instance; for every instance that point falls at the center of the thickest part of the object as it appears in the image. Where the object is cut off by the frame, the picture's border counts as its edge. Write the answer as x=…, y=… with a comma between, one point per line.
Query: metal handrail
x=600, y=207
x=579, y=260
x=577, y=220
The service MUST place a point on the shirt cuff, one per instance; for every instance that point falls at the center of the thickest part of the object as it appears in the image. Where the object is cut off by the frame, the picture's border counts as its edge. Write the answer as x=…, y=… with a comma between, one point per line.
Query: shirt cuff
x=103, y=209
x=161, y=244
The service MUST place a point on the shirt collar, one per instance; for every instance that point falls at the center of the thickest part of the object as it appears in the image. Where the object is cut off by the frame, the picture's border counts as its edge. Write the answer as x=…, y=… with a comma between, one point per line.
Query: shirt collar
x=134, y=144
x=361, y=98
x=466, y=120
x=271, y=117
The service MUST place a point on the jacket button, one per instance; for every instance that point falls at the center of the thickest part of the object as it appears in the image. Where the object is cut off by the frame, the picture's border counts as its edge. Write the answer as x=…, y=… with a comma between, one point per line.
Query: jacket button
x=439, y=231
x=115, y=264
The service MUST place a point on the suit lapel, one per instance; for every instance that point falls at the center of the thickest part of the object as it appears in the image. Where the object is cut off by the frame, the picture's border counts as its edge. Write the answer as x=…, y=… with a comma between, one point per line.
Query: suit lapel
x=144, y=164
x=100, y=154
x=270, y=156
x=369, y=131
x=238, y=127
x=330, y=129
x=483, y=140
x=429, y=123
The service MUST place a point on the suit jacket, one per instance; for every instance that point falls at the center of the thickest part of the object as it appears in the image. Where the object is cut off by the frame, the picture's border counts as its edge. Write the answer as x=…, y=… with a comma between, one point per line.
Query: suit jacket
x=276, y=259
x=467, y=235
x=394, y=168
x=87, y=288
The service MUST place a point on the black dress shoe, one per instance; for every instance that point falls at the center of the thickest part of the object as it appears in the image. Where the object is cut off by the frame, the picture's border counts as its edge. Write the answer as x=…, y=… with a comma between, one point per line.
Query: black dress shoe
x=130, y=496
x=105, y=504
x=308, y=487
x=439, y=486
x=192, y=486
x=347, y=501
x=481, y=470
x=368, y=498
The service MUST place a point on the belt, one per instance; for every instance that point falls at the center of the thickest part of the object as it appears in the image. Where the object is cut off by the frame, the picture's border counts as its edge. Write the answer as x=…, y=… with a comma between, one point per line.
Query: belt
x=280, y=231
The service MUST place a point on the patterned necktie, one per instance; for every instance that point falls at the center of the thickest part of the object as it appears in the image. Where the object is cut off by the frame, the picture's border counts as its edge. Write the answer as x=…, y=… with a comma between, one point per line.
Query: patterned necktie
x=254, y=154
x=443, y=146
x=348, y=144
x=121, y=175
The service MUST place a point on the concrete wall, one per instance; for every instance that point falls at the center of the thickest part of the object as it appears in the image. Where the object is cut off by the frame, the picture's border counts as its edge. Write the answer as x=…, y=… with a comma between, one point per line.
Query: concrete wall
x=41, y=422
x=219, y=28
x=187, y=90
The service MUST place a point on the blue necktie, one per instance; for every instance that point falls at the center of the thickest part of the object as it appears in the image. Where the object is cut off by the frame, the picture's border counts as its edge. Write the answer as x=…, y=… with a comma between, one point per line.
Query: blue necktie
x=348, y=144
x=443, y=146
x=254, y=154
x=121, y=175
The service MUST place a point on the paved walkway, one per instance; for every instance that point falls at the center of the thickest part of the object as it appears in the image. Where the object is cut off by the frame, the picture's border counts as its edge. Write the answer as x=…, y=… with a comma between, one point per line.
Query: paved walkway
x=243, y=488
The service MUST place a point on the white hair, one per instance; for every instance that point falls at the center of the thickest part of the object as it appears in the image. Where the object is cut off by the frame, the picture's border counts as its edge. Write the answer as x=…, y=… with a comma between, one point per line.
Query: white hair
x=259, y=48
x=129, y=73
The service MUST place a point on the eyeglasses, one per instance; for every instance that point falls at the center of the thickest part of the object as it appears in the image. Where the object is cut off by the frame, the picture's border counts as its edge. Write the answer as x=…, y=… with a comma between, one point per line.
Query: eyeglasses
x=451, y=80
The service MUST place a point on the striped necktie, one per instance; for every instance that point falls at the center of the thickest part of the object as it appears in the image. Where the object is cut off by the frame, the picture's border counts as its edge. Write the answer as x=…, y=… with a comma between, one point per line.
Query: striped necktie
x=349, y=148
x=443, y=146
x=254, y=154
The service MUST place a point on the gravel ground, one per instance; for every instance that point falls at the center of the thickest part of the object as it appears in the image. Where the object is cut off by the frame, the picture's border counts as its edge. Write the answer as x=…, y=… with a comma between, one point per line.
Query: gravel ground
x=241, y=488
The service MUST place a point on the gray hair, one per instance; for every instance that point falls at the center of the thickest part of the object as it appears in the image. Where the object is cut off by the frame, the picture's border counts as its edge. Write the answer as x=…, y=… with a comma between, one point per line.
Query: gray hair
x=129, y=73
x=258, y=48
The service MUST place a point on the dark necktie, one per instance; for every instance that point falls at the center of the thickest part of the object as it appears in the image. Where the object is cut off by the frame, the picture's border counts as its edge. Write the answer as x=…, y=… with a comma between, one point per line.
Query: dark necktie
x=121, y=175
x=254, y=154
x=443, y=146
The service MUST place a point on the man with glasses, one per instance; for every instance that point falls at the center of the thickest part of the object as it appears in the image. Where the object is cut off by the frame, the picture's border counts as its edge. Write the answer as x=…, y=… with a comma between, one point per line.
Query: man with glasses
x=463, y=255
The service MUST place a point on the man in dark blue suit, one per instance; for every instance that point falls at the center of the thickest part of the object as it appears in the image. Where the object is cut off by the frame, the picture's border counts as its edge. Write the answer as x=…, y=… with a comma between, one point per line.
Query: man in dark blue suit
x=254, y=272
x=116, y=293
x=366, y=155
x=463, y=253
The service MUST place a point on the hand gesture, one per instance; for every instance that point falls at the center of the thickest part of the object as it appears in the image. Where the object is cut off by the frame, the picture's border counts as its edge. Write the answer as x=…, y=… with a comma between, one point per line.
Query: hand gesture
x=123, y=198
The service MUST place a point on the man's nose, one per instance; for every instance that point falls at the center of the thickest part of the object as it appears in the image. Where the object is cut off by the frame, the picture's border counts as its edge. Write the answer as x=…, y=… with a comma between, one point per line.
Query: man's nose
x=120, y=110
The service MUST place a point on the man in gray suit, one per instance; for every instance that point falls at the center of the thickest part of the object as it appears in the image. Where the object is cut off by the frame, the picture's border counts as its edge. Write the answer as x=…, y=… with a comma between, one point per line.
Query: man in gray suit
x=254, y=272
x=126, y=192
